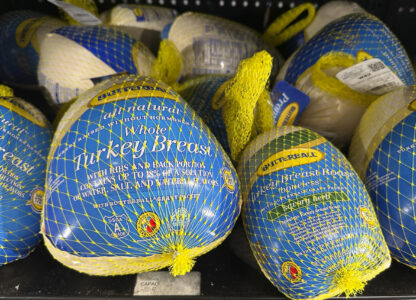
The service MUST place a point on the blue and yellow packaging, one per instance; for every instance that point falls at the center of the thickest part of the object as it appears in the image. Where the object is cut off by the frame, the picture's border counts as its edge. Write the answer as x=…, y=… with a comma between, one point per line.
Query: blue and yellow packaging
x=72, y=55
x=288, y=103
x=136, y=182
x=24, y=144
x=308, y=217
x=336, y=108
x=383, y=153
x=21, y=33
x=234, y=108
x=360, y=35
x=205, y=94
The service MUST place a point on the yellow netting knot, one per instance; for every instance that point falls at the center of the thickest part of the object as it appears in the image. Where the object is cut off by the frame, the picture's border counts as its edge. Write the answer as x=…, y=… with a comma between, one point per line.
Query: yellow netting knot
x=168, y=65
x=331, y=84
x=242, y=94
x=183, y=262
x=349, y=280
x=279, y=31
x=5, y=91
x=88, y=5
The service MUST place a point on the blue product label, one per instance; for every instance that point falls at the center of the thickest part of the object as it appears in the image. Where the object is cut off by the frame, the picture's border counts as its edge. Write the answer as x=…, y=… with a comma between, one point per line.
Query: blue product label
x=165, y=31
x=357, y=35
x=307, y=215
x=24, y=146
x=206, y=96
x=136, y=174
x=138, y=12
x=288, y=103
x=117, y=49
x=390, y=178
x=18, y=58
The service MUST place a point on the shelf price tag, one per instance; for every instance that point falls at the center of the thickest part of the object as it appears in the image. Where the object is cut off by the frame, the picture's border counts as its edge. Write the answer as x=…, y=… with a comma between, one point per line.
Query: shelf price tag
x=162, y=283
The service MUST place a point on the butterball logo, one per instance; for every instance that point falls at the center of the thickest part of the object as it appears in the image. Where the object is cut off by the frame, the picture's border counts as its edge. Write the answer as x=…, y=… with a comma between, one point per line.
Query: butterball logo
x=289, y=158
x=133, y=89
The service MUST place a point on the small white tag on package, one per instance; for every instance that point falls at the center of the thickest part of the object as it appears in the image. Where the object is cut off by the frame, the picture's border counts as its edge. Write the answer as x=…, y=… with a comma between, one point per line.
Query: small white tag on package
x=81, y=15
x=161, y=283
x=370, y=76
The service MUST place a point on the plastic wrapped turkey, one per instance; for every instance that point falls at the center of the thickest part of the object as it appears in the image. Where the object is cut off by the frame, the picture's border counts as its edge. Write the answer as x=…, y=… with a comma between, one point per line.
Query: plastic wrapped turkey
x=213, y=45
x=24, y=145
x=383, y=153
x=309, y=220
x=136, y=182
x=72, y=57
x=144, y=22
x=343, y=68
x=21, y=34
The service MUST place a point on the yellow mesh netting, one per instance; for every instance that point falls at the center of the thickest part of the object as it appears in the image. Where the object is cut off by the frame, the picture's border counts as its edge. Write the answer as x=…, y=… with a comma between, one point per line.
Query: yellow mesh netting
x=153, y=250
x=264, y=113
x=183, y=261
x=168, y=64
x=280, y=30
x=383, y=153
x=331, y=84
x=5, y=91
x=242, y=94
x=378, y=120
x=342, y=246
x=349, y=279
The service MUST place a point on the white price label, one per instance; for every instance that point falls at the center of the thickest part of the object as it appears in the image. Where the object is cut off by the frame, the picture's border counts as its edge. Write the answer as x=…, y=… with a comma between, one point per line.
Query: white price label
x=162, y=283
x=81, y=15
x=370, y=76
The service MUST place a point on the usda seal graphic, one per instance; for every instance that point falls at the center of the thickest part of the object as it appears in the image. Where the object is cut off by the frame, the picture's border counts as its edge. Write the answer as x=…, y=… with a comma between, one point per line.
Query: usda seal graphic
x=117, y=226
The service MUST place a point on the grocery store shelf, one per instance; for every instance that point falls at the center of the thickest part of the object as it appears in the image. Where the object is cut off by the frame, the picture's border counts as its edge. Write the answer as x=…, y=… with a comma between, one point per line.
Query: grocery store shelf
x=223, y=276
